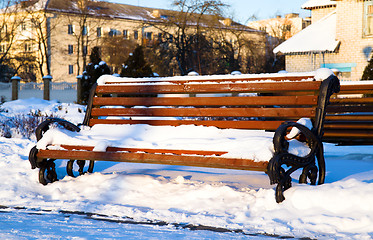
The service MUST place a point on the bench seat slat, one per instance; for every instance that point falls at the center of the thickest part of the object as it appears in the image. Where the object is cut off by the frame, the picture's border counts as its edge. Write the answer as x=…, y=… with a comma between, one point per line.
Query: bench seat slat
x=257, y=87
x=205, y=112
x=205, y=101
x=148, y=150
x=267, y=125
x=168, y=159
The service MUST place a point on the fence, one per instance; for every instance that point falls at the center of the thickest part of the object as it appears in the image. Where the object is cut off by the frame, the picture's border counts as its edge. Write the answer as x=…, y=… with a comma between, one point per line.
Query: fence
x=61, y=91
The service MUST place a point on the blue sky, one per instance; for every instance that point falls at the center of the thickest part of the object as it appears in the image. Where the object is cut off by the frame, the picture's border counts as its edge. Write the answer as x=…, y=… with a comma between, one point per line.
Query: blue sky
x=242, y=10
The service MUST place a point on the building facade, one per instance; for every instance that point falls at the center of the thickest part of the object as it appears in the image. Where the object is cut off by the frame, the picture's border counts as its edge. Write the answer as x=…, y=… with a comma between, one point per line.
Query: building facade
x=69, y=29
x=340, y=37
x=281, y=27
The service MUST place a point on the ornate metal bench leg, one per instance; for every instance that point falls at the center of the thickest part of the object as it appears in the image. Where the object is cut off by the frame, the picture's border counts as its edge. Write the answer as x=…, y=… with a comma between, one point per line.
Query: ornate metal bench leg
x=69, y=168
x=81, y=164
x=278, y=175
x=47, y=172
x=91, y=166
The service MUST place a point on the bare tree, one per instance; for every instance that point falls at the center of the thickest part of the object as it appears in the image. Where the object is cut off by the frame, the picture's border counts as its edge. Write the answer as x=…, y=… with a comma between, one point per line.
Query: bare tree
x=10, y=20
x=84, y=21
x=42, y=29
x=182, y=30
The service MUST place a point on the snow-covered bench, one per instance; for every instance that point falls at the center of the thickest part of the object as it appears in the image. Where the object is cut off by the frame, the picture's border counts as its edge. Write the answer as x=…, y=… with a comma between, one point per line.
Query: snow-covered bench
x=206, y=121
x=349, y=117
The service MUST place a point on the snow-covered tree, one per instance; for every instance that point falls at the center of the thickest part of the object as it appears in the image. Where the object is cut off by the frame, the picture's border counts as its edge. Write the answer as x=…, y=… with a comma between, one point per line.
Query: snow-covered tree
x=136, y=66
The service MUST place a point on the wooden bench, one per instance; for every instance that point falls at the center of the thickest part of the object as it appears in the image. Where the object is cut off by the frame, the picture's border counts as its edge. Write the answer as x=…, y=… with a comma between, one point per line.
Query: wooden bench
x=259, y=103
x=349, y=117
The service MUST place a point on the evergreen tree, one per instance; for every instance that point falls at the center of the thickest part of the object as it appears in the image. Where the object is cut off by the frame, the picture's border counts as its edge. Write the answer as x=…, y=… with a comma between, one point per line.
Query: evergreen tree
x=368, y=74
x=136, y=66
x=95, y=57
x=94, y=70
x=368, y=71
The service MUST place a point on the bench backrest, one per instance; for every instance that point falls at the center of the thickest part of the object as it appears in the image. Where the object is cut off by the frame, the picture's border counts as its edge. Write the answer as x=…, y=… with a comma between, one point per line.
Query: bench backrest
x=349, y=117
x=224, y=103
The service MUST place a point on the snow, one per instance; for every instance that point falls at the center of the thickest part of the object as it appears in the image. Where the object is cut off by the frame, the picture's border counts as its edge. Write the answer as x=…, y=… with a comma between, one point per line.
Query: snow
x=318, y=37
x=318, y=3
x=232, y=141
x=124, y=200
x=109, y=79
x=323, y=73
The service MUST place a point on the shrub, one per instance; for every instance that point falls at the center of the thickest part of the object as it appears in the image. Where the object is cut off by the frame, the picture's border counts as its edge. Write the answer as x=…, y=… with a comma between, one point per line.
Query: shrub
x=21, y=125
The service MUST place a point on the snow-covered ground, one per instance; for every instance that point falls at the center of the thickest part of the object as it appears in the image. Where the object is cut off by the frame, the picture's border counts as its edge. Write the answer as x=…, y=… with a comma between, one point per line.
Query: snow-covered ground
x=128, y=201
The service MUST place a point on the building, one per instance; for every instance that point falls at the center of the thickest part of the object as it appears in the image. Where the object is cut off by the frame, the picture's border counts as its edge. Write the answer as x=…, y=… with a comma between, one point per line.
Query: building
x=281, y=27
x=340, y=37
x=58, y=35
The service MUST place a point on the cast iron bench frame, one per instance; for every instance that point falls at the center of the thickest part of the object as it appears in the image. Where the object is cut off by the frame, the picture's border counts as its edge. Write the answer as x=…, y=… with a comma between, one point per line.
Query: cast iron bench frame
x=278, y=104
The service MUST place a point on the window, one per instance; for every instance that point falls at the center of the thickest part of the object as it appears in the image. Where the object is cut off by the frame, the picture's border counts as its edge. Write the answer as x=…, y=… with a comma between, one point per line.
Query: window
x=85, y=50
x=368, y=18
x=136, y=34
x=2, y=48
x=70, y=29
x=71, y=69
x=28, y=47
x=148, y=35
x=84, y=30
x=114, y=32
x=23, y=26
x=99, y=32
x=70, y=49
x=125, y=34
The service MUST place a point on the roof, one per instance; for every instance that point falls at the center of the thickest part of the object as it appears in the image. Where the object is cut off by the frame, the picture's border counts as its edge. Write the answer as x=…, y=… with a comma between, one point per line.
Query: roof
x=124, y=11
x=318, y=3
x=318, y=37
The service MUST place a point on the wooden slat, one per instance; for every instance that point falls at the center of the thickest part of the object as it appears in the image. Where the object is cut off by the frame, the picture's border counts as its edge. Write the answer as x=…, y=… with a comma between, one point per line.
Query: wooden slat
x=265, y=125
x=362, y=91
x=258, y=87
x=347, y=125
x=205, y=101
x=350, y=117
x=336, y=101
x=197, y=161
x=354, y=87
x=349, y=134
x=147, y=150
x=348, y=109
x=204, y=112
x=264, y=78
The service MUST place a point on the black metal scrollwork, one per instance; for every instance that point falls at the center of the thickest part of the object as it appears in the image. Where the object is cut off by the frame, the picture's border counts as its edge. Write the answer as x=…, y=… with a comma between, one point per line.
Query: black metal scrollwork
x=47, y=171
x=277, y=174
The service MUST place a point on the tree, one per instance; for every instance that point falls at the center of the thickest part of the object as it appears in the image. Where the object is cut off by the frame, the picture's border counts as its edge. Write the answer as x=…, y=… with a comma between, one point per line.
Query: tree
x=116, y=50
x=82, y=36
x=136, y=66
x=10, y=21
x=182, y=30
x=95, y=69
x=368, y=71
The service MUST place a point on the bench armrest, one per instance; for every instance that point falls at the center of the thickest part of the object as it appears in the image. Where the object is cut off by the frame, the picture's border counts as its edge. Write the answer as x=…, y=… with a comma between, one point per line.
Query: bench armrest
x=44, y=126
